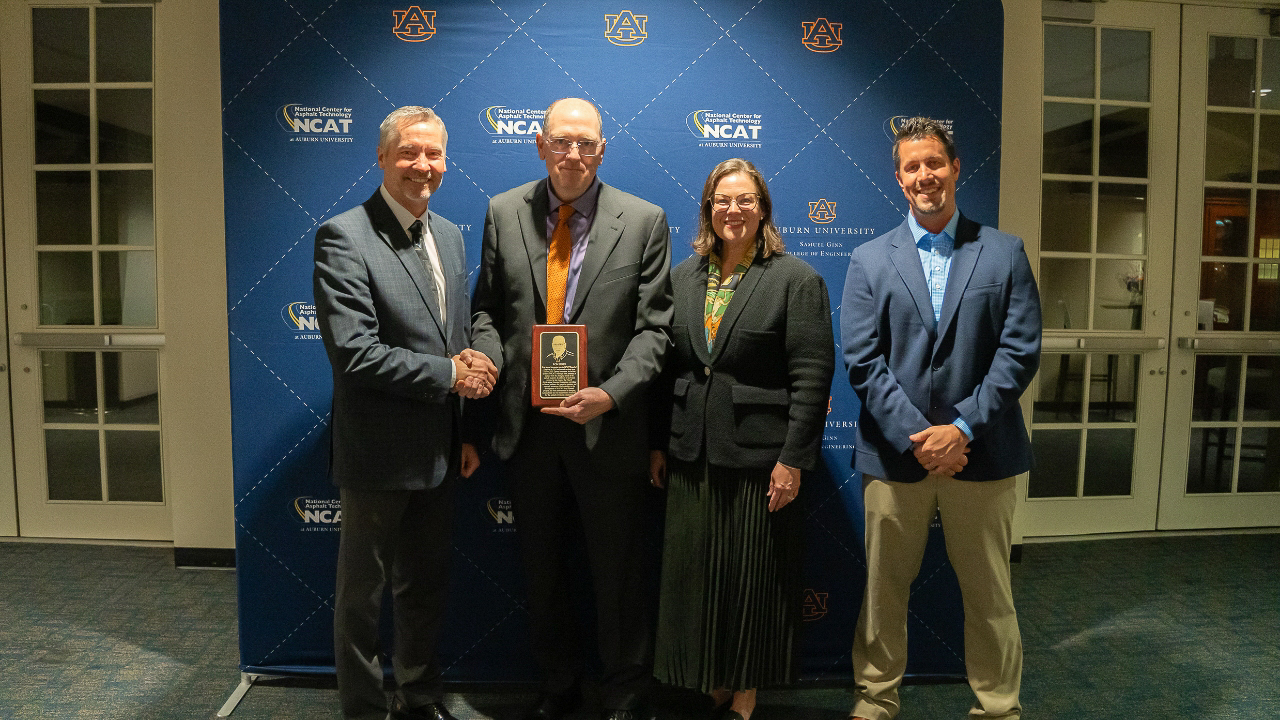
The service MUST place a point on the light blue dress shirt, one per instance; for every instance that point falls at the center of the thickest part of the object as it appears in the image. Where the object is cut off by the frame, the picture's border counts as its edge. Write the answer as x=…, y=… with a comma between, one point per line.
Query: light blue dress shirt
x=935, y=257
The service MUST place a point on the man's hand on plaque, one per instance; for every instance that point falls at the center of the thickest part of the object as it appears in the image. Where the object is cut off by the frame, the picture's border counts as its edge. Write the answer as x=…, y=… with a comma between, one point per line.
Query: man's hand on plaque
x=582, y=406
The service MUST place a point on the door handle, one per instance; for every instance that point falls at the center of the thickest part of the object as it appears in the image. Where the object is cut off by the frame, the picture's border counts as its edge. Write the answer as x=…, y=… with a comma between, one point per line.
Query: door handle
x=1106, y=344
x=87, y=340
x=1230, y=343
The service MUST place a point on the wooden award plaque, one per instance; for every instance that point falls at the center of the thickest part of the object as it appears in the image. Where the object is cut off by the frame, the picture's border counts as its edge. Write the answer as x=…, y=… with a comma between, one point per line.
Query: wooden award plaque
x=559, y=362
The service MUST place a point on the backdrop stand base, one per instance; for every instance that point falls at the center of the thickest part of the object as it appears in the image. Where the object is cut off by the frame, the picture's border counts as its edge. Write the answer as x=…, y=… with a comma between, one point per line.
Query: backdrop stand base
x=246, y=681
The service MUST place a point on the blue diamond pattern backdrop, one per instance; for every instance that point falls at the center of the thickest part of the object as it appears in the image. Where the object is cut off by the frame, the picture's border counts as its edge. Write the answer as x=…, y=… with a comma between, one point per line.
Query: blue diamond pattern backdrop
x=805, y=89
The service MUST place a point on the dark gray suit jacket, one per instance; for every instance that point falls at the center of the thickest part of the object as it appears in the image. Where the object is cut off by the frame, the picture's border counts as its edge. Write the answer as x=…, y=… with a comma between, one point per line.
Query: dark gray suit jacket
x=760, y=395
x=395, y=422
x=623, y=297
x=911, y=372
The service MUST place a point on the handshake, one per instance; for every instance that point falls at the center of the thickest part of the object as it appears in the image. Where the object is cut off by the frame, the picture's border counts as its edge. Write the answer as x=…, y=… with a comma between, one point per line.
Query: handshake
x=476, y=374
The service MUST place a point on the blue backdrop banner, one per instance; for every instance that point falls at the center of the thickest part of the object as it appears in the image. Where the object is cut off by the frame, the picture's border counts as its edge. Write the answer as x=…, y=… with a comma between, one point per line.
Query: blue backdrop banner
x=808, y=90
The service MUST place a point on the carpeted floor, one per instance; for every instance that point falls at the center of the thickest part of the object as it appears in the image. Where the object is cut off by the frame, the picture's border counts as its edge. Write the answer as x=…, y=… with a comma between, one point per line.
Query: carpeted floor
x=1145, y=629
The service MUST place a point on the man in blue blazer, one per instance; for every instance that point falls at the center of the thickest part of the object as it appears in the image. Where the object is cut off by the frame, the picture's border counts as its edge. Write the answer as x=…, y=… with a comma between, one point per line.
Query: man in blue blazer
x=940, y=324
x=390, y=286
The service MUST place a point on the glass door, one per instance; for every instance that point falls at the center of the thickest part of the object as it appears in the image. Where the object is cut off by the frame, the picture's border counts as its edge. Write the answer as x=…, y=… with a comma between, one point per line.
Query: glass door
x=1108, y=184
x=1221, y=460
x=81, y=271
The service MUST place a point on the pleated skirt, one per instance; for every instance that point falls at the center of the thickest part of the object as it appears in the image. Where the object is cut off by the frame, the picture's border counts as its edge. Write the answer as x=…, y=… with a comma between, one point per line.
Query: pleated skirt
x=729, y=608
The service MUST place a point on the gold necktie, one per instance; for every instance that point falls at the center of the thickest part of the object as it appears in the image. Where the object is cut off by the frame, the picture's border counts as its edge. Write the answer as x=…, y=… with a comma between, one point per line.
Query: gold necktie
x=558, y=266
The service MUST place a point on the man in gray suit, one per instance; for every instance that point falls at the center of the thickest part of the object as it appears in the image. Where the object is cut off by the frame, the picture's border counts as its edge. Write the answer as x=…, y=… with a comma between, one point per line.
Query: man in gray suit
x=391, y=298
x=584, y=462
x=940, y=324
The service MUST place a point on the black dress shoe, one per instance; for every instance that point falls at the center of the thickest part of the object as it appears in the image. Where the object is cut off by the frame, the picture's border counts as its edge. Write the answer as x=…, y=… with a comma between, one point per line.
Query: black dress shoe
x=434, y=711
x=554, y=707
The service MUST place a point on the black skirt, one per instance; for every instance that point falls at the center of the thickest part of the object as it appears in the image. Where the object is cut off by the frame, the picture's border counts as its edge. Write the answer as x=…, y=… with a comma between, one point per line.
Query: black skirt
x=729, y=608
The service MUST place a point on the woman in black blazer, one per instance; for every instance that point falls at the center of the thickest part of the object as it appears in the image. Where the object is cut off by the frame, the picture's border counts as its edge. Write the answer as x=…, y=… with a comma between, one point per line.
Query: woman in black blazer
x=746, y=383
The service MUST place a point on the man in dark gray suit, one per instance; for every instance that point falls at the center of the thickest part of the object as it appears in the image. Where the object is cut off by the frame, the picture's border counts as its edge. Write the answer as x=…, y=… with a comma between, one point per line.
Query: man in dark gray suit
x=584, y=462
x=391, y=298
x=940, y=324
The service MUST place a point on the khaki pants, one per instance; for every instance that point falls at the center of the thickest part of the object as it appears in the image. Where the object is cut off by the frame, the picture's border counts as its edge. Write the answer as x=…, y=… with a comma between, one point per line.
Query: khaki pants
x=977, y=520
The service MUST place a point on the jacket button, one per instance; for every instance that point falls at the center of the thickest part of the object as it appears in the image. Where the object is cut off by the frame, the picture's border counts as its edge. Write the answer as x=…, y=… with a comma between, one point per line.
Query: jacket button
x=706, y=370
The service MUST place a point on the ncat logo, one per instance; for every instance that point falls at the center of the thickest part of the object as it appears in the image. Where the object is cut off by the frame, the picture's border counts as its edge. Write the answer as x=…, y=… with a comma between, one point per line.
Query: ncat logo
x=821, y=35
x=713, y=125
x=318, y=514
x=814, y=606
x=502, y=120
x=300, y=317
x=625, y=29
x=315, y=123
x=894, y=124
x=414, y=24
x=502, y=512
x=822, y=211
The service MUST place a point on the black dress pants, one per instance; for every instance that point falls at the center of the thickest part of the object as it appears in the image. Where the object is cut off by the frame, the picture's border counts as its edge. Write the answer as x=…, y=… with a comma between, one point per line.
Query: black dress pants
x=557, y=487
x=403, y=535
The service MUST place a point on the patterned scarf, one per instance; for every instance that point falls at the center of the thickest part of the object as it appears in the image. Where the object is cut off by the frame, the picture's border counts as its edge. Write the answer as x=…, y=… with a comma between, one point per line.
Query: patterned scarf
x=720, y=293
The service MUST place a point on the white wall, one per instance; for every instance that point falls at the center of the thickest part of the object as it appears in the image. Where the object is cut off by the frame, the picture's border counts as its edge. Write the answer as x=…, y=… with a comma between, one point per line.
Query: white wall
x=196, y=388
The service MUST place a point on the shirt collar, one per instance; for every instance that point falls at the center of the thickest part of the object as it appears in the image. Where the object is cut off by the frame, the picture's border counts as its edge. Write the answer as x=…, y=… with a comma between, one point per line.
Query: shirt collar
x=585, y=205
x=403, y=216
x=918, y=233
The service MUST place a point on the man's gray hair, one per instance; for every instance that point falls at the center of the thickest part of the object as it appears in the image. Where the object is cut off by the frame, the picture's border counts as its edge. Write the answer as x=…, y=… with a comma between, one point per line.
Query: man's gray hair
x=400, y=118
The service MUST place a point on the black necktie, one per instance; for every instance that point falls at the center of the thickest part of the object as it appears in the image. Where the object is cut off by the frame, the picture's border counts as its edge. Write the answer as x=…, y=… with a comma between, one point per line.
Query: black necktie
x=420, y=247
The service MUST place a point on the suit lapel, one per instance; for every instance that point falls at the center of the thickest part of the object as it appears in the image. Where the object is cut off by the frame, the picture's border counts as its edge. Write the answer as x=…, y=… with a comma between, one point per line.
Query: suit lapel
x=606, y=229
x=533, y=226
x=693, y=294
x=388, y=228
x=906, y=260
x=963, y=259
x=741, y=295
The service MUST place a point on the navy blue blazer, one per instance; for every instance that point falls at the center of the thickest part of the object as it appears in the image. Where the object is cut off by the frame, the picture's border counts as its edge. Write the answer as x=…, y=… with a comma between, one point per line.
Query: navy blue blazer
x=395, y=422
x=911, y=372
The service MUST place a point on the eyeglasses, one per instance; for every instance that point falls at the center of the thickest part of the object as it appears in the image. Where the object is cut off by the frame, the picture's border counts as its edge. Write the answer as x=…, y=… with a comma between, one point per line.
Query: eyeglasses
x=586, y=148
x=745, y=201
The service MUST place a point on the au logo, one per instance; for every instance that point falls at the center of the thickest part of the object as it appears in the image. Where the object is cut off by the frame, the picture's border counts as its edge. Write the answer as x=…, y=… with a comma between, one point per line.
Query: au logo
x=625, y=29
x=821, y=35
x=814, y=606
x=822, y=211
x=414, y=24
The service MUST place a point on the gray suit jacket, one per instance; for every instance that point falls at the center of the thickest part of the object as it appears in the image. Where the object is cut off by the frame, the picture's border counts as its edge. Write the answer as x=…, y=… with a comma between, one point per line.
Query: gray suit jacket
x=623, y=297
x=395, y=422
x=911, y=372
x=759, y=396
